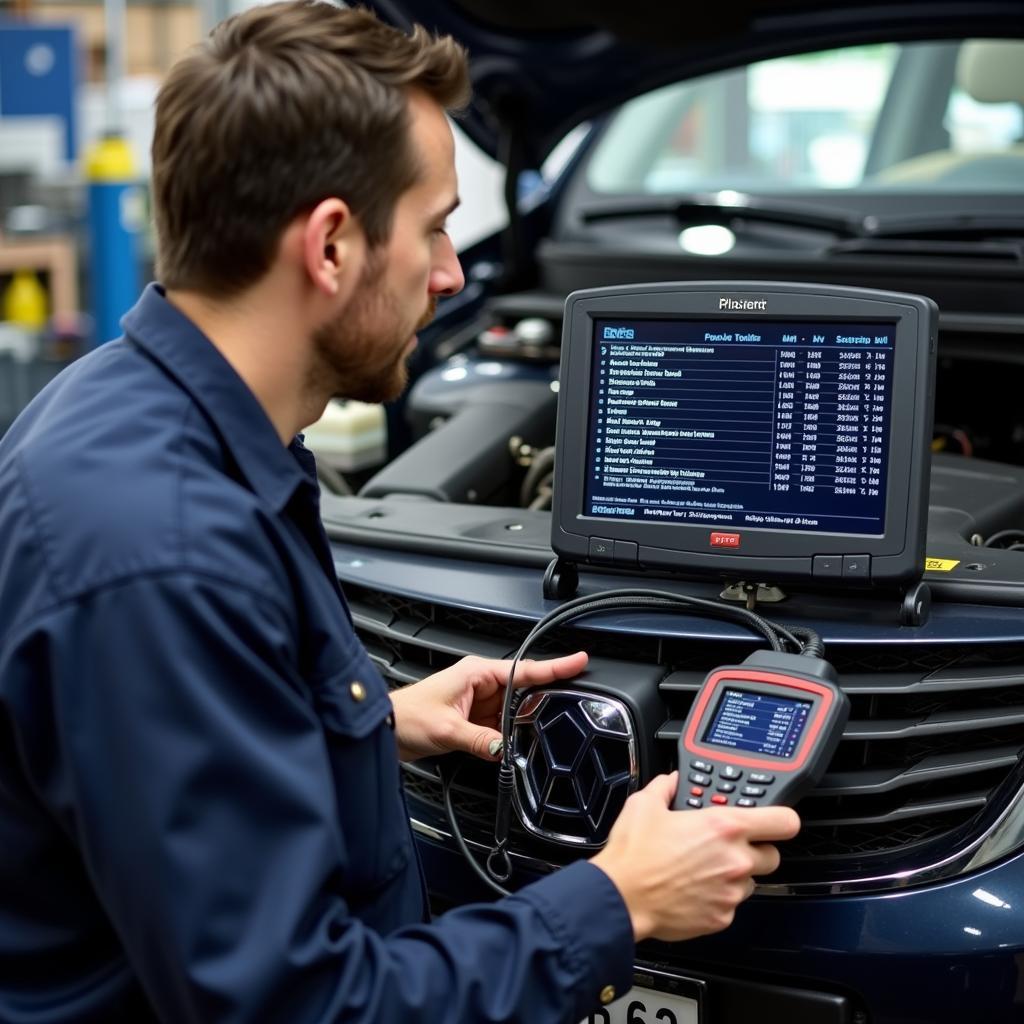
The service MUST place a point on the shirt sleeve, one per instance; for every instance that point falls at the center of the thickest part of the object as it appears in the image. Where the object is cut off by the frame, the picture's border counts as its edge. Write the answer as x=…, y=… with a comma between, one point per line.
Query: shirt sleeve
x=191, y=769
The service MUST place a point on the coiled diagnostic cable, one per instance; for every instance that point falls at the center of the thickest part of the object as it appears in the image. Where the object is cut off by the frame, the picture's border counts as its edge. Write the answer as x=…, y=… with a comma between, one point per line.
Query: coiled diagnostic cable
x=499, y=866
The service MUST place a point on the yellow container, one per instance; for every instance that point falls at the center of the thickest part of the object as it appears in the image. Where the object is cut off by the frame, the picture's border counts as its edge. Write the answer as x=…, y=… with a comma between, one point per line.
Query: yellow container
x=25, y=301
x=110, y=159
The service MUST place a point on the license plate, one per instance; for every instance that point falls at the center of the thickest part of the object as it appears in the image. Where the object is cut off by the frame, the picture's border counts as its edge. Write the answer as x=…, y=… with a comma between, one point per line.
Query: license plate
x=646, y=1006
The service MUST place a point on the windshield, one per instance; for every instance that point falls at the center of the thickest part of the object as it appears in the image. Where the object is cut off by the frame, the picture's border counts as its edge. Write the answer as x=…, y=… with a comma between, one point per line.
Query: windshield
x=923, y=116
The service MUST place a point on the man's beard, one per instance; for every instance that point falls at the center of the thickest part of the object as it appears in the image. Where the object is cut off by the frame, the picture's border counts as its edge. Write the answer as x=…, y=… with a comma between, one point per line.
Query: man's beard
x=362, y=353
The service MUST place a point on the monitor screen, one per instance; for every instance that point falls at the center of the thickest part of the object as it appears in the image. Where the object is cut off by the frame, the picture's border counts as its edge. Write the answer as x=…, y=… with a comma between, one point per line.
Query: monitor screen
x=758, y=723
x=751, y=432
x=759, y=424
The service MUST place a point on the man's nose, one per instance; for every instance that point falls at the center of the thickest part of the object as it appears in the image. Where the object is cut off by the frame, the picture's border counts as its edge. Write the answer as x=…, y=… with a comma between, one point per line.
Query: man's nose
x=446, y=277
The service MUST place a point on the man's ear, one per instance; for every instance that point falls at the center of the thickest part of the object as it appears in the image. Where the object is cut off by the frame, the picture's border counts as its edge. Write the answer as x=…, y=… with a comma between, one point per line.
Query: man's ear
x=334, y=247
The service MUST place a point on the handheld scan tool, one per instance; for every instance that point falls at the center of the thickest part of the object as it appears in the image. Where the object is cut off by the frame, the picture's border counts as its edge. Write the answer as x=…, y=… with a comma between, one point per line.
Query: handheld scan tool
x=760, y=733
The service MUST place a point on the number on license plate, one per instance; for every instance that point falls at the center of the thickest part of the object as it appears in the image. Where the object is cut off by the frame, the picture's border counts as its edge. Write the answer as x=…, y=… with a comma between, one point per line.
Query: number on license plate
x=644, y=1006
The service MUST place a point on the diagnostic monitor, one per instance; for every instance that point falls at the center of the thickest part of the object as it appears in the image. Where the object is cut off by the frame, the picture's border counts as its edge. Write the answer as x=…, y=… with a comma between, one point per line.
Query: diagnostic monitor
x=760, y=733
x=746, y=430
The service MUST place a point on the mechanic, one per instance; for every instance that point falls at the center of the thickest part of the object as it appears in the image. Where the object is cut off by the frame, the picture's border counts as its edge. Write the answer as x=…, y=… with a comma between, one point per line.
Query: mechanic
x=200, y=806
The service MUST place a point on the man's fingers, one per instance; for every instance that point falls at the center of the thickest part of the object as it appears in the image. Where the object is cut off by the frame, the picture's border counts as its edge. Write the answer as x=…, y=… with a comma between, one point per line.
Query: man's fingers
x=663, y=788
x=537, y=673
x=770, y=823
x=479, y=741
x=766, y=859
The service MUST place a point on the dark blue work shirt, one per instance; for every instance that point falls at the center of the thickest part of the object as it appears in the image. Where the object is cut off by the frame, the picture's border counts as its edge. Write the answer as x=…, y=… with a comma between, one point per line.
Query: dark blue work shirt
x=200, y=808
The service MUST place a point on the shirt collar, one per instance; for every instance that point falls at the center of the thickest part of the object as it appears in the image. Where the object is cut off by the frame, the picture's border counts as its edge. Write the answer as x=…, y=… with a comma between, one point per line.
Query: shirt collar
x=196, y=365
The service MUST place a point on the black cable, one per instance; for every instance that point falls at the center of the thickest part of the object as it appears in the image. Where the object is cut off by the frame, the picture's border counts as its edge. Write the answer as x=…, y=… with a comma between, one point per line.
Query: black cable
x=635, y=598
x=789, y=634
x=805, y=640
x=447, y=781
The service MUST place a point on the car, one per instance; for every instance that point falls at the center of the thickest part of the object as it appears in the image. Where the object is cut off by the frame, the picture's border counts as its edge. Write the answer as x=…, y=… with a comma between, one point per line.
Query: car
x=875, y=147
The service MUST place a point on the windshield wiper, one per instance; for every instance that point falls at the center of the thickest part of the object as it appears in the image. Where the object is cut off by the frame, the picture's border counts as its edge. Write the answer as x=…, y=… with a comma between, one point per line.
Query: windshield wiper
x=944, y=234
x=716, y=209
x=944, y=226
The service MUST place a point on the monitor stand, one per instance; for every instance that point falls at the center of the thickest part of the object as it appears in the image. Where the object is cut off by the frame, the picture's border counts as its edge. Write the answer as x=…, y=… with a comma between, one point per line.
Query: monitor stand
x=562, y=580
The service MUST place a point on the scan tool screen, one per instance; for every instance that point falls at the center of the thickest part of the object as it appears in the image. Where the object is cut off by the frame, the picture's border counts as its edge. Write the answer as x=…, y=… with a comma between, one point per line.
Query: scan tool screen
x=758, y=722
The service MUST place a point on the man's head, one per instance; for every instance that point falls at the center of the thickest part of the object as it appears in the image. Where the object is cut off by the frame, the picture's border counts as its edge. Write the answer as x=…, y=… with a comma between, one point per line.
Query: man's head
x=360, y=349
x=285, y=106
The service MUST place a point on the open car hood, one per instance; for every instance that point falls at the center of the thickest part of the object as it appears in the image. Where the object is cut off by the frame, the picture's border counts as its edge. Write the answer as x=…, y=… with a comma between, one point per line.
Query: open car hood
x=540, y=67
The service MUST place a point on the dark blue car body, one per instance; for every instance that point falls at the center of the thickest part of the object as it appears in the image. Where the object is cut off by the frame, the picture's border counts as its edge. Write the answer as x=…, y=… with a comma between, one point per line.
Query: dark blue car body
x=922, y=949
x=901, y=901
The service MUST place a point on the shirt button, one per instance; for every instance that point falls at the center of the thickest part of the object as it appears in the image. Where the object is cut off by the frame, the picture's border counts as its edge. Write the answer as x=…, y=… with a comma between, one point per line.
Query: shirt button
x=358, y=691
x=607, y=994
x=391, y=721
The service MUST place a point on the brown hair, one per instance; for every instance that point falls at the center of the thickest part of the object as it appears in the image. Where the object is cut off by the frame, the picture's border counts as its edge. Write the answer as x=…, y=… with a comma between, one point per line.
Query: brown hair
x=281, y=107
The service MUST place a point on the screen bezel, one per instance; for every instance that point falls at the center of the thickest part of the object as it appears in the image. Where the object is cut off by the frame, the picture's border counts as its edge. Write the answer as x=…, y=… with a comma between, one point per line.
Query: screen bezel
x=897, y=554
x=758, y=681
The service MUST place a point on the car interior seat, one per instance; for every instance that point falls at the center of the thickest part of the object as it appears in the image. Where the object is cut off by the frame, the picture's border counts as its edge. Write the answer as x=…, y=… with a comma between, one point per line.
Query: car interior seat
x=989, y=71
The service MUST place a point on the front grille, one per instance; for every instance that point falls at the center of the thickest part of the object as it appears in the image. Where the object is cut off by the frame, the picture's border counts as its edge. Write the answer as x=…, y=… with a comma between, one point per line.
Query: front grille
x=933, y=742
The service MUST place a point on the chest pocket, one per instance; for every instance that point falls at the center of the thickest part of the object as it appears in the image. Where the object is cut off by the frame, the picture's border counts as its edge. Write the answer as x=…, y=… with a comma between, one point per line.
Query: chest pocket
x=355, y=710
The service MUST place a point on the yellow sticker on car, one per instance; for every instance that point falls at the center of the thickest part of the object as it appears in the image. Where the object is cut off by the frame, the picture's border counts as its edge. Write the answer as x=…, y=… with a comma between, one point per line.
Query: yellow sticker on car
x=940, y=564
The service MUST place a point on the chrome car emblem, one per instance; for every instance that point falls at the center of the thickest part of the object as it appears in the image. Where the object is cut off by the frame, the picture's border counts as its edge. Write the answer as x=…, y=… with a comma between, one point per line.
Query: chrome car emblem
x=576, y=762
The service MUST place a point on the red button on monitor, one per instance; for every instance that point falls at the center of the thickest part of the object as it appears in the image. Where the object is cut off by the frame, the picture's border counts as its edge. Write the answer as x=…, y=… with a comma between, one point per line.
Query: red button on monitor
x=724, y=540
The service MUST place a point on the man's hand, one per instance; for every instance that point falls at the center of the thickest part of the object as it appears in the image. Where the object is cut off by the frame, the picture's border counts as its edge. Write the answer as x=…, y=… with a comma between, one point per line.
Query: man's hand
x=683, y=873
x=459, y=708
